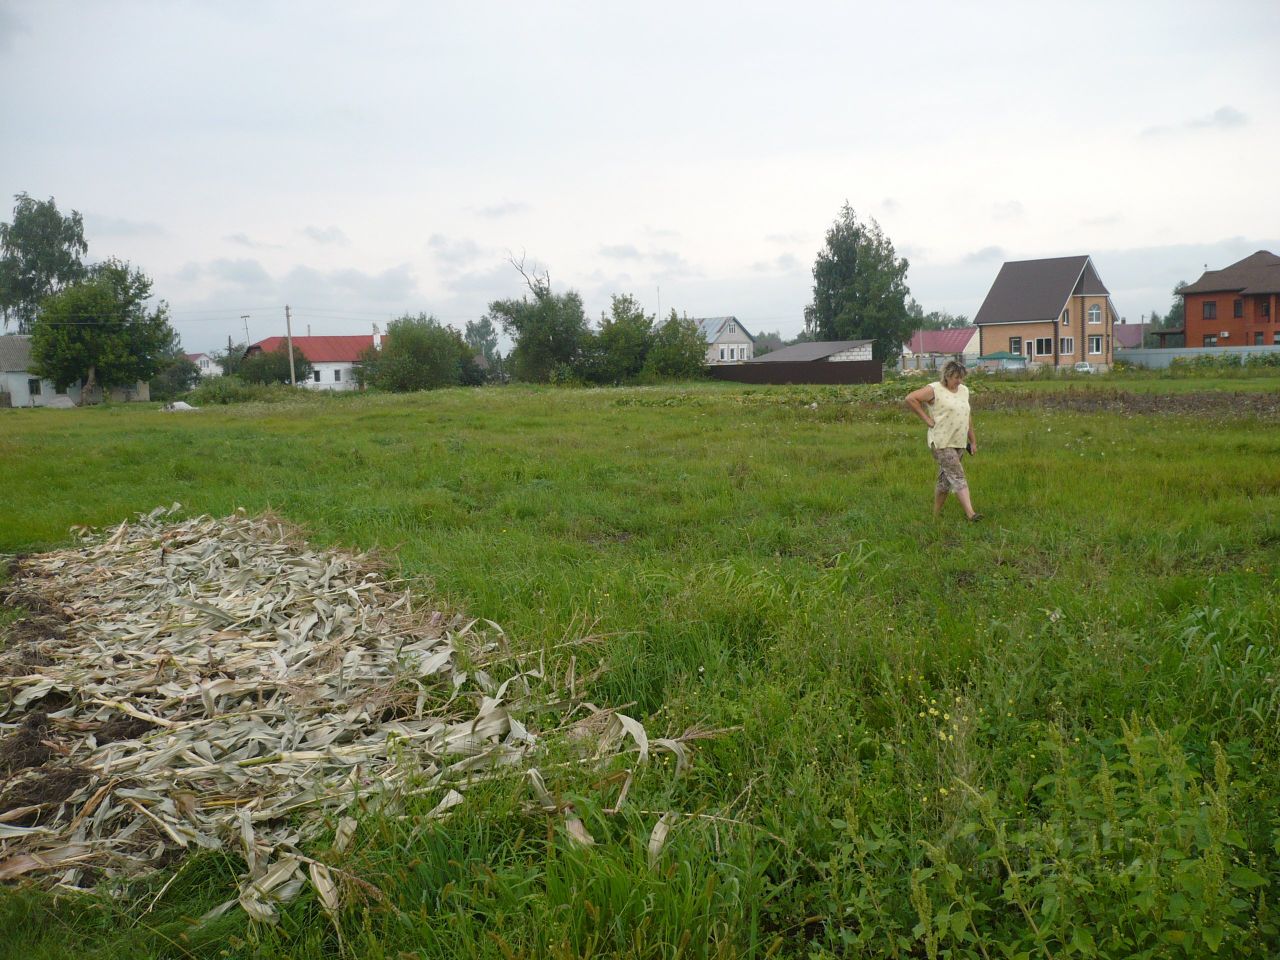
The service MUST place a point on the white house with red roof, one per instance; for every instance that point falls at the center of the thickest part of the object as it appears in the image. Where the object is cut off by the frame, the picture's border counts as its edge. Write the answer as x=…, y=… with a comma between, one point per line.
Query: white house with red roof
x=333, y=359
x=931, y=349
x=207, y=366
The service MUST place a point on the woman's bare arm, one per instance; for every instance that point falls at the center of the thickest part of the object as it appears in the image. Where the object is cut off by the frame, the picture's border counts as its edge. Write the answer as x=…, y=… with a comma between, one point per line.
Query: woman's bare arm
x=916, y=400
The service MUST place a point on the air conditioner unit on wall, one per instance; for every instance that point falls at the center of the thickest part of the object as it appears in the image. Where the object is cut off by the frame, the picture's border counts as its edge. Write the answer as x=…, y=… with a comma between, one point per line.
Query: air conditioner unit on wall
x=1225, y=334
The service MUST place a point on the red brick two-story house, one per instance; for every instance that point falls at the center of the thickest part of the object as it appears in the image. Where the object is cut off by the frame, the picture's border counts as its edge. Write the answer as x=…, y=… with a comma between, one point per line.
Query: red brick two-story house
x=1054, y=311
x=1235, y=306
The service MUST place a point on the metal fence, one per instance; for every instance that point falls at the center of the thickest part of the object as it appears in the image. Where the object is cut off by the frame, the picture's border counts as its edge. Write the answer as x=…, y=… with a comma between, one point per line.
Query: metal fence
x=800, y=371
x=1157, y=358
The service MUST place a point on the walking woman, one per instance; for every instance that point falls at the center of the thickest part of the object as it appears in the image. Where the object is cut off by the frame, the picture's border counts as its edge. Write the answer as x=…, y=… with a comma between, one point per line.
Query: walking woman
x=944, y=408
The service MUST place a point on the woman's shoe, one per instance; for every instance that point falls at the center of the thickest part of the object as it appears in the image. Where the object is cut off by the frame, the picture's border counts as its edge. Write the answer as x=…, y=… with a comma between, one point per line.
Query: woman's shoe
x=975, y=518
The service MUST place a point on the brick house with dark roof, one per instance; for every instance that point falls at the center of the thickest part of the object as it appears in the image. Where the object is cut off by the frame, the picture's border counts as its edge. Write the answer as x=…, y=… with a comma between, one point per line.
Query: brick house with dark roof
x=1235, y=306
x=1054, y=311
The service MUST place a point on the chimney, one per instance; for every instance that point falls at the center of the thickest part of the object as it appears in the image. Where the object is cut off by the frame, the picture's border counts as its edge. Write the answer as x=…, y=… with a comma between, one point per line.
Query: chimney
x=377, y=338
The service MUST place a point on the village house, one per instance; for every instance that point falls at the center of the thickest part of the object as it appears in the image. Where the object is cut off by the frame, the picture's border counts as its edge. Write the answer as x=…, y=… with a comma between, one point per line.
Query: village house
x=25, y=389
x=333, y=359
x=931, y=349
x=207, y=366
x=1235, y=306
x=1054, y=312
x=727, y=340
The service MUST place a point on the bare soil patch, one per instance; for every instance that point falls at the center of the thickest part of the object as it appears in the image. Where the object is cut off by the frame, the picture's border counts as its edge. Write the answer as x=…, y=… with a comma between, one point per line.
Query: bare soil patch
x=1087, y=400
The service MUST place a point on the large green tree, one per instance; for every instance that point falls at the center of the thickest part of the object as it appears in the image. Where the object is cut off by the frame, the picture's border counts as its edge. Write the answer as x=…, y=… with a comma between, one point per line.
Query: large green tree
x=860, y=288
x=482, y=337
x=419, y=353
x=272, y=366
x=231, y=358
x=549, y=329
x=618, y=350
x=40, y=254
x=677, y=350
x=100, y=331
x=176, y=374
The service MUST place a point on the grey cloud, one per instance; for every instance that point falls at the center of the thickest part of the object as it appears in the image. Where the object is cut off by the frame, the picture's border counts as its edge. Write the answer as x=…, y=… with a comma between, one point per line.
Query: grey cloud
x=326, y=235
x=244, y=240
x=10, y=26
x=621, y=251
x=505, y=208
x=391, y=285
x=500, y=280
x=784, y=263
x=117, y=226
x=247, y=274
x=890, y=205
x=672, y=265
x=1224, y=118
x=453, y=253
x=985, y=255
x=1007, y=210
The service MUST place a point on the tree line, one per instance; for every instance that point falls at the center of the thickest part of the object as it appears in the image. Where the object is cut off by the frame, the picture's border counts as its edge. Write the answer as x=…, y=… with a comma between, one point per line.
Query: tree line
x=94, y=325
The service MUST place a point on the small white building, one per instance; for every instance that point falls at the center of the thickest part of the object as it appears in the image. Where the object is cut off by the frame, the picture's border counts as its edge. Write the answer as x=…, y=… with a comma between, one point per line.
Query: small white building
x=207, y=366
x=333, y=359
x=727, y=340
x=25, y=389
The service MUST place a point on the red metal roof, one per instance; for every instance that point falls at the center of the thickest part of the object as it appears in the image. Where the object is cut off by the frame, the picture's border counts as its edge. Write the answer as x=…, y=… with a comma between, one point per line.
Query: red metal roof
x=320, y=349
x=941, y=341
x=1129, y=335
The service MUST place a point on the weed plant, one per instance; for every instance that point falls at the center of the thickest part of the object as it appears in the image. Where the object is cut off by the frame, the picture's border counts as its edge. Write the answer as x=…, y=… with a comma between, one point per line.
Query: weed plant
x=1050, y=734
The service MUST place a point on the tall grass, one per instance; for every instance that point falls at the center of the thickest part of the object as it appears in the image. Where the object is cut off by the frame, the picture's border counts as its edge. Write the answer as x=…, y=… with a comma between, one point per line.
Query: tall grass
x=1053, y=733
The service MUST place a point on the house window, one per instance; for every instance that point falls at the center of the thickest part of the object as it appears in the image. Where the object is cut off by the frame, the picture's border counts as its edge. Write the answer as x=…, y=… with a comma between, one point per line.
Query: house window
x=1257, y=339
x=315, y=375
x=1095, y=314
x=722, y=353
x=33, y=387
x=1015, y=345
x=1066, y=318
x=1210, y=340
x=732, y=328
x=337, y=376
x=1265, y=309
x=1067, y=345
x=1044, y=346
x=1209, y=310
x=1237, y=308
x=1095, y=344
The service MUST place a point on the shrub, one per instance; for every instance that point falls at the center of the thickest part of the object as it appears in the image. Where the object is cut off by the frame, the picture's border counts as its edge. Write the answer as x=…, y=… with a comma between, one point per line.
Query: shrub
x=218, y=390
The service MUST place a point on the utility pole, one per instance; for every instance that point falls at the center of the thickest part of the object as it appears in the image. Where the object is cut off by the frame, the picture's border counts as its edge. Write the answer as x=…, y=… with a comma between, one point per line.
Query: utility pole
x=658, y=287
x=245, y=318
x=288, y=334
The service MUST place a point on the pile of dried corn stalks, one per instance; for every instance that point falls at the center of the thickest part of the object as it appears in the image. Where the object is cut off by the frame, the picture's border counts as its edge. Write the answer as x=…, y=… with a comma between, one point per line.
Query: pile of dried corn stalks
x=216, y=683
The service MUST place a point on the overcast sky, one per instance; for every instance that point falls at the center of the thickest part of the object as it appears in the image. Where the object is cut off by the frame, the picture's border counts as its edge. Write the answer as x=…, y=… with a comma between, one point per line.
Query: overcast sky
x=361, y=160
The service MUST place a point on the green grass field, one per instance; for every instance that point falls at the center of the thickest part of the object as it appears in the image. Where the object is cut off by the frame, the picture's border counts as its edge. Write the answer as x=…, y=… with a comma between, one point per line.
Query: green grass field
x=1053, y=733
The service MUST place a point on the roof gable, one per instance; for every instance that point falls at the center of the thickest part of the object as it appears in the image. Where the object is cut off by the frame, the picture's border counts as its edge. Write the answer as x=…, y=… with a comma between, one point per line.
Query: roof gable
x=710, y=327
x=1030, y=290
x=1257, y=273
